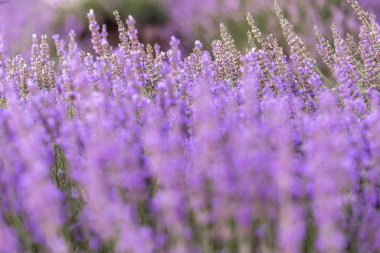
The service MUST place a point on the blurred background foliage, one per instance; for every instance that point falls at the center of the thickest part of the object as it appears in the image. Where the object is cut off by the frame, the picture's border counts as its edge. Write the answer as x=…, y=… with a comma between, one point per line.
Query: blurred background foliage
x=157, y=20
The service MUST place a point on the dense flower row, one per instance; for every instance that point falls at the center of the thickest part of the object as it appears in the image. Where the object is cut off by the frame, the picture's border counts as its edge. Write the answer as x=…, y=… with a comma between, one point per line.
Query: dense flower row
x=195, y=19
x=135, y=149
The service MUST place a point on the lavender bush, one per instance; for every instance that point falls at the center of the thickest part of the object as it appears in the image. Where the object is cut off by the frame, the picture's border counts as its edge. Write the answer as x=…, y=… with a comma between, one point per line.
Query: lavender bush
x=200, y=18
x=135, y=149
x=158, y=19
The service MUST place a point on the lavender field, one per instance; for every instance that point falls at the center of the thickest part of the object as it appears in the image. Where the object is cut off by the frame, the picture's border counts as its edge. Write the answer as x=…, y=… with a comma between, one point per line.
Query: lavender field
x=269, y=146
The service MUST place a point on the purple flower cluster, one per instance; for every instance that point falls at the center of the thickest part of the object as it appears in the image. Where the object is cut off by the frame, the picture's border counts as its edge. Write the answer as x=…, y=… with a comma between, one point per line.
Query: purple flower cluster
x=135, y=149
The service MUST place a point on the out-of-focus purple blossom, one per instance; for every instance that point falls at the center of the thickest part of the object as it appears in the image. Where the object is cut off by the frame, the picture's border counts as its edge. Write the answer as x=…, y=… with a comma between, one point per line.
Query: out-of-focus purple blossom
x=19, y=19
x=371, y=6
x=329, y=166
